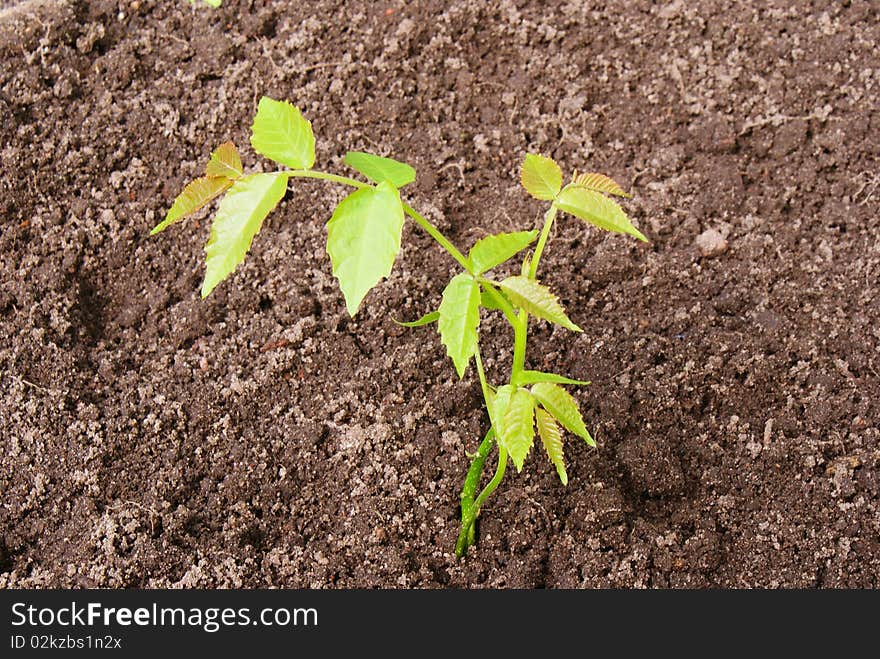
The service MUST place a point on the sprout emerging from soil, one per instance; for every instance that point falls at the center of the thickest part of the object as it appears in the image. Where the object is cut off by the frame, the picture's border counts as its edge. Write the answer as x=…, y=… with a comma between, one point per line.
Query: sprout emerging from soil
x=363, y=240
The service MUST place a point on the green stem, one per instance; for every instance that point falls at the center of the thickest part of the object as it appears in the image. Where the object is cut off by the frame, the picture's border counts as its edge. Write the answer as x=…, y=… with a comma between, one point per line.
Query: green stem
x=468, y=492
x=434, y=232
x=549, y=216
x=484, y=384
x=492, y=484
x=520, y=335
x=470, y=506
x=472, y=481
x=325, y=176
x=521, y=327
x=470, y=512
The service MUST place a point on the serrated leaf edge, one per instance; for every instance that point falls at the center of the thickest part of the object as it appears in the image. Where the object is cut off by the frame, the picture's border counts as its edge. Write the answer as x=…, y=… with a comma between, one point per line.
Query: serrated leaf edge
x=469, y=317
x=225, y=169
x=599, y=183
x=551, y=185
x=551, y=310
x=499, y=237
x=551, y=438
x=542, y=393
x=171, y=220
x=509, y=426
x=208, y=284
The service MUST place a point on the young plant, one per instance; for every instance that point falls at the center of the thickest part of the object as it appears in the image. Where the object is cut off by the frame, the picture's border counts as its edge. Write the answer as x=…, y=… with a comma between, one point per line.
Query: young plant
x=363, y=239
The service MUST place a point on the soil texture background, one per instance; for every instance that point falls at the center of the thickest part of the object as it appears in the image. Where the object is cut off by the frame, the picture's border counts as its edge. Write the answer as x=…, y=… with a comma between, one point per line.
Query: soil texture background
x=264, y=438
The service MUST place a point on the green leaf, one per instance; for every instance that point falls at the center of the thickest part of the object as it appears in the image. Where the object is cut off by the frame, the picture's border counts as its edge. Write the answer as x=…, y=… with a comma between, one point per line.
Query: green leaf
x=537, y=300
x=541, y=177
x=459, y=318
x=563, y=407
x=596, y=209
x=493, y=250
x=225, y=162
x=599, y=183
x=427, y=319
x=533, y=377
x=551, y=437
x=498, y=402
x=195, y=195
x=378, y=169
x=488, y=302
x=517, y=432
x=238, y=220
x=363, y=239
x=282, y=134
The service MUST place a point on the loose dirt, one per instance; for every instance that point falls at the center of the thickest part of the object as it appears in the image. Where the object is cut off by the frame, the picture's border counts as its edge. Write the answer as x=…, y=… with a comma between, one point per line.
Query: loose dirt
x=263, y=438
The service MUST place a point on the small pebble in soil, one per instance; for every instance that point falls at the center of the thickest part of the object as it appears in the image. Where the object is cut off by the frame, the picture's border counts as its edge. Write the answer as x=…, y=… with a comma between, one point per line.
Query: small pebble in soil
x=711, y=243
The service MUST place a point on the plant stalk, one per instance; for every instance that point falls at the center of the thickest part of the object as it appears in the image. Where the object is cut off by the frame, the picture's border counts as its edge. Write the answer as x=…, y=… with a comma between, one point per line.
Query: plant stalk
x=434, y=232
x=520, y=336
x=484, y=384
x=521, y=328
x=549, y=216
x=495, y=482
x=470, y=506
x=326, y=176
x=468, y=520
x=468, y=494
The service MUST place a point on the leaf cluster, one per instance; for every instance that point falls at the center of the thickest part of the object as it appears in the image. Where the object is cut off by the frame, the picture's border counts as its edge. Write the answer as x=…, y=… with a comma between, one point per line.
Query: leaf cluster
x=364, y=236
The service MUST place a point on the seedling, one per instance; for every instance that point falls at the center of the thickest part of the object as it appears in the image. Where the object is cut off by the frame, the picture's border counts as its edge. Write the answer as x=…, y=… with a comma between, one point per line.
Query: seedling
x=363, y=239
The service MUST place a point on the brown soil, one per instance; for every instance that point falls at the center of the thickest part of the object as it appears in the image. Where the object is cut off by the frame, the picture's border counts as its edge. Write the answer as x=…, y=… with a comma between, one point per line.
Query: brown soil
x=263, y=438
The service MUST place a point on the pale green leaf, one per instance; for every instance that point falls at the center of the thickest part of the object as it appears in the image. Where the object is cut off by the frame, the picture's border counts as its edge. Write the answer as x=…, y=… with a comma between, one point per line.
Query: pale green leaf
x=533, y=377
x=281, y=133
x=427, y=319
x=378, y=168
x=491, y=397
x=536, y=299
x=363, y=239
x=238, y=220
x=195, y=195
x=487, y=301
x=459, y=318
x=551, y=437
x=498, y=402
x=494, y=250
x=599, y=183
x=596, y=209
x=225, y=162
x=541, y=176
x=563, y=407
x=517, y=432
